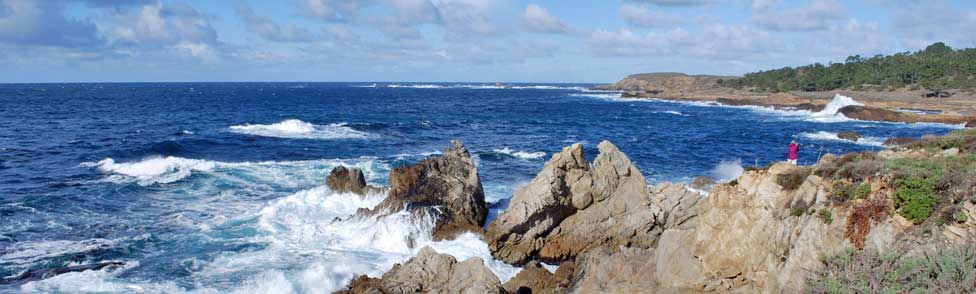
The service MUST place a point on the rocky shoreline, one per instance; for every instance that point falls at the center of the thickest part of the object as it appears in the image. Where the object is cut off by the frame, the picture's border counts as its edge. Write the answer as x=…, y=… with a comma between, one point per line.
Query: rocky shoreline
x=897, y=106
x=608, y=231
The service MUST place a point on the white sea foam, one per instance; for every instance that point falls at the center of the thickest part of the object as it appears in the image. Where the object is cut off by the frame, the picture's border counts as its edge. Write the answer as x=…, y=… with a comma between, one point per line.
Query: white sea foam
x=297, y=129
x=830, y=136
x=100, y=281
x=152, y=170
x=673, y=112
x=521, y=154
x=163, y=170
x=727, y=170
x=830, y=112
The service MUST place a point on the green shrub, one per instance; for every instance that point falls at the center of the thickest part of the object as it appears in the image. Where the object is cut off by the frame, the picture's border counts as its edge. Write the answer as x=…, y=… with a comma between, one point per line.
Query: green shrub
x=799, y=208
x=793, y=178
x=862, y=191
x=943, y=271
x=960, y=216
x=826, y=216
x=916, y=197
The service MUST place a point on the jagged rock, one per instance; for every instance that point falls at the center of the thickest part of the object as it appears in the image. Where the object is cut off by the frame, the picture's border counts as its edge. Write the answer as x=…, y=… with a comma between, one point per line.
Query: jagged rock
x=571, y=207
x=447, y=186
x=540, y=206
x=616, y=270
x=537, y=280
x=343, y=180
x=431, y=272
x=850, y=136
x=702, y=182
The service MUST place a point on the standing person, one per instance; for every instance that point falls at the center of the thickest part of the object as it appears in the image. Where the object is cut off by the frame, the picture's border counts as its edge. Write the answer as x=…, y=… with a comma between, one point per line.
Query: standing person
x=794, y=152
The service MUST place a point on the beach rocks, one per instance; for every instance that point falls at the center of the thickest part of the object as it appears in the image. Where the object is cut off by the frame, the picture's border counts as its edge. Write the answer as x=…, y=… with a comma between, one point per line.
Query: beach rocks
x=431, y=272
x=571, y=207
x=447, y=186
x=849, y=135
x=349, y=180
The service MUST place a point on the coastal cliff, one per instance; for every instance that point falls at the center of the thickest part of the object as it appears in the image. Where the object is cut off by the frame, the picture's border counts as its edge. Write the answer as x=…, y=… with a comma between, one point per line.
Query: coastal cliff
x=901, y=105
x=775, y=229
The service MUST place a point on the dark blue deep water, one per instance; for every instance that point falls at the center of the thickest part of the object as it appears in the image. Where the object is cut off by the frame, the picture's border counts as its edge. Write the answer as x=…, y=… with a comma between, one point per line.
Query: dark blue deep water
x=219, y=187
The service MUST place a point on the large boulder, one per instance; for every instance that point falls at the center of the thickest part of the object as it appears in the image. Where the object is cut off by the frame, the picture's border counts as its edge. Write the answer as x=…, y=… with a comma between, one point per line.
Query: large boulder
x=447, y=187
x=349, y=180
x=537, y=280
x=540, y=206
x=572, y=206
x=431, y=272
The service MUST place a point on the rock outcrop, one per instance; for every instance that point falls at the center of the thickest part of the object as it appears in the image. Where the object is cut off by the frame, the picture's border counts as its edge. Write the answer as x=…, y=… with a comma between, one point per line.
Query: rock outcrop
x=431, y=272
x=849, y=135
x=572, y=206
x=446, y=186
x=349, y=180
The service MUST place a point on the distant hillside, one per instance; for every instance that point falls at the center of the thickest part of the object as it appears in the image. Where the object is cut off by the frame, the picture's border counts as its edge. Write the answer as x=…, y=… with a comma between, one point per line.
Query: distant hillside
x=668, y=81
x=937, y=67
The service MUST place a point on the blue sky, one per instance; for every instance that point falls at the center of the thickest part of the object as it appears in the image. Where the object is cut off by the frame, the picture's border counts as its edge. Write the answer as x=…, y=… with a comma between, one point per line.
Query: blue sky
x=453, y=40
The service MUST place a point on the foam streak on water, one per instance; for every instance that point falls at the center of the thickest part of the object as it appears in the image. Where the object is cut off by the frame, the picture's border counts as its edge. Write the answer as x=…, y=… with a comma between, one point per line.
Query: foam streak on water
x=297, y=129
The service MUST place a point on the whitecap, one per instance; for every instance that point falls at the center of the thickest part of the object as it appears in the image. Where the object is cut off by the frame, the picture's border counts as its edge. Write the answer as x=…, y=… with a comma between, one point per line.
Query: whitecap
x=830, y=136
x=152, y=170
x=297, y=129
x=521, y=154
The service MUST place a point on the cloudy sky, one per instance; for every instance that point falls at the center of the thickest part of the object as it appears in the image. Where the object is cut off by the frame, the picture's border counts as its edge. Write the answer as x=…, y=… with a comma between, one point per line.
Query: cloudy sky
x=454, y=40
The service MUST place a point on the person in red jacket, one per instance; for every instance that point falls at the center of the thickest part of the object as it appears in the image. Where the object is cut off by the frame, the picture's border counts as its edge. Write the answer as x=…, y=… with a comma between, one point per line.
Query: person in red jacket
x=794, y=153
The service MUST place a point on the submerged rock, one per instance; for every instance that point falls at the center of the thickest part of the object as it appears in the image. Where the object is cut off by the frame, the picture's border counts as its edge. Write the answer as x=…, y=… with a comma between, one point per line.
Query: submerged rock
x=849, y=135
x=446, y=186
x=431, y=272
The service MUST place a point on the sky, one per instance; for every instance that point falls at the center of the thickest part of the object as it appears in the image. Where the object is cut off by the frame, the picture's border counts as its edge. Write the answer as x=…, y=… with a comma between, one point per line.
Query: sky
x=454, y=40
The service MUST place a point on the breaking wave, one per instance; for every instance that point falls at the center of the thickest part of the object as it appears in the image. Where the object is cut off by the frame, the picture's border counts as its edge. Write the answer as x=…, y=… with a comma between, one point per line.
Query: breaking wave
x=830, y=136
x=521, y=154
x=297, y=129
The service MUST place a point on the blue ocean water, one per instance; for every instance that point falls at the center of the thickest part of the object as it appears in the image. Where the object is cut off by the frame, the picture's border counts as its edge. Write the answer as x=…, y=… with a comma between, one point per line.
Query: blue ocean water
x=219, y=187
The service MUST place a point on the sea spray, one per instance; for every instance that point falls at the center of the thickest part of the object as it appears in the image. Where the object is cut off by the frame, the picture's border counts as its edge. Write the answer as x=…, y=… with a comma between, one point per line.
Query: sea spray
x=728, y=170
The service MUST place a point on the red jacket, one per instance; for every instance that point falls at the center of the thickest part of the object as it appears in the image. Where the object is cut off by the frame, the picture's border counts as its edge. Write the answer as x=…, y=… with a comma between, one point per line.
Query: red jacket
x=794, y=151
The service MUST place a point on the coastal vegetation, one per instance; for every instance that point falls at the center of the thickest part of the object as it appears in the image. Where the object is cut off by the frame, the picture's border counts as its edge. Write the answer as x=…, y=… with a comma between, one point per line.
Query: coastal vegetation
x=949, y=270
x=937, y=67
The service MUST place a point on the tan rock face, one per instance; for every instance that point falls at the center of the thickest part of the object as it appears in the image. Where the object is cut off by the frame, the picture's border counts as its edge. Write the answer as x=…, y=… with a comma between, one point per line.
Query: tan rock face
x=447, y=186
x=572, y=206
x=349, y=180
x=431, y=272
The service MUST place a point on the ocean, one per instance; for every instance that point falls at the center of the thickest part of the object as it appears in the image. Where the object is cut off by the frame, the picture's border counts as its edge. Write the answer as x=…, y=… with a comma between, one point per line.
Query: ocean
x=220, y=187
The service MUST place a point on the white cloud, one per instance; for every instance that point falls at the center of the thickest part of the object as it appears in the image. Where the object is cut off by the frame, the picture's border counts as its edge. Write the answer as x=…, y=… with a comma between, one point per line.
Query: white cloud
x=642, y=16
x=537, y=19
x=270, y=30
x=714, y=42
x=763, y=5
x=43, y=23
x=817, y=15
x=677, y=2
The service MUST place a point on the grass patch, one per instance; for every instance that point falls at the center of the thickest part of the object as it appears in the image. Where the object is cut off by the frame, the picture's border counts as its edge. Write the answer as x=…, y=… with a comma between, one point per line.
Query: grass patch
x=794, y=178
x=826, y=216
x=943, y=271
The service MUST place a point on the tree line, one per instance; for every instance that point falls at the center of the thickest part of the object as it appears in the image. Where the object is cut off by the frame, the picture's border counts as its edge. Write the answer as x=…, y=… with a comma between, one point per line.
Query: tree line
x=936, y=68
